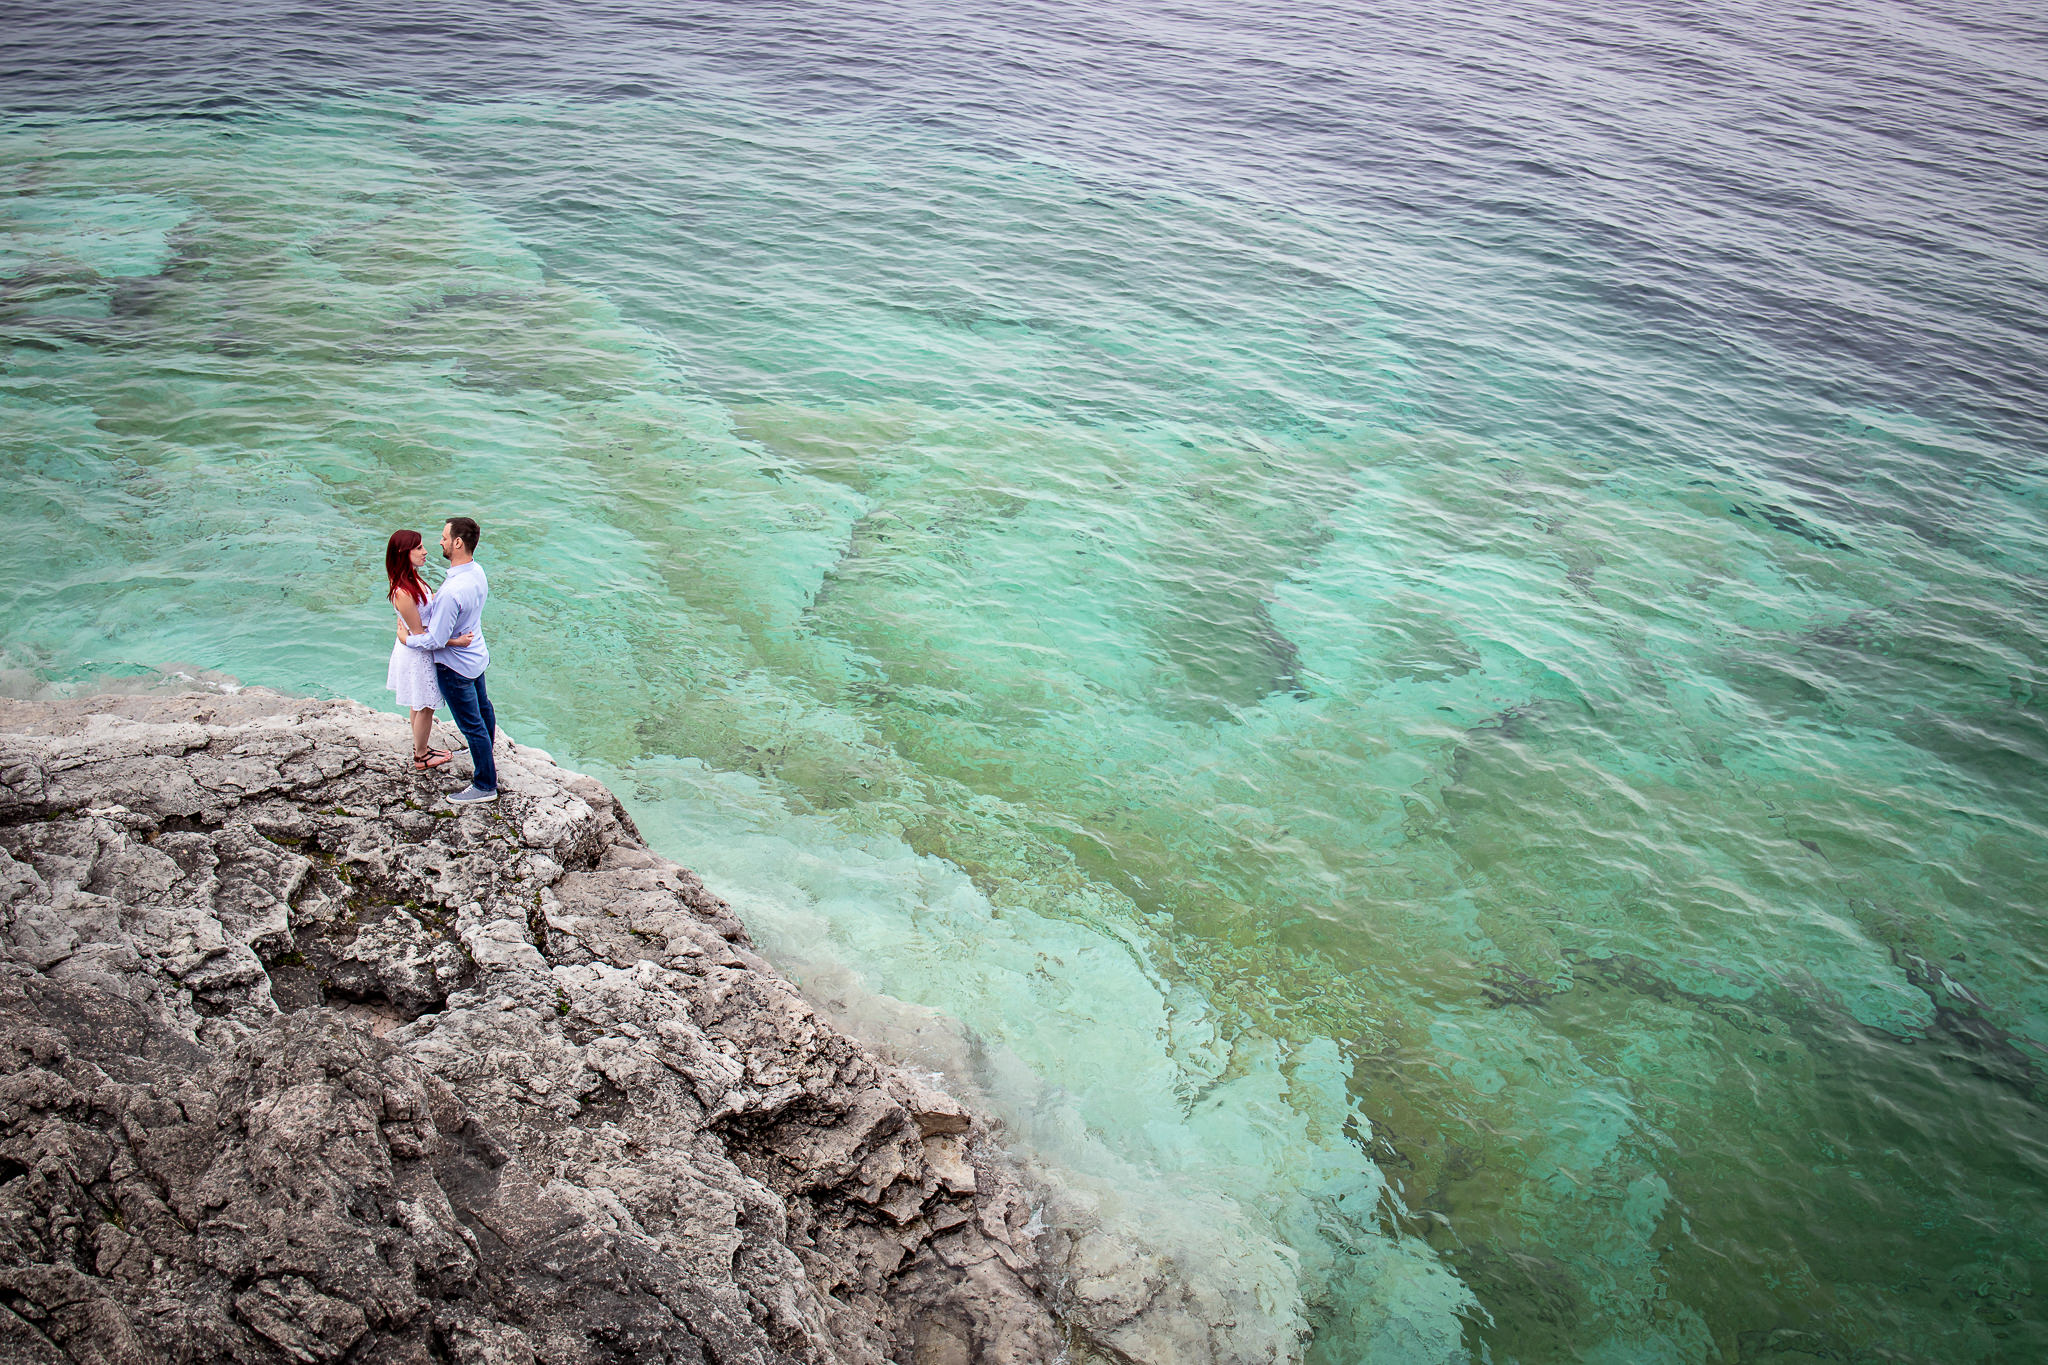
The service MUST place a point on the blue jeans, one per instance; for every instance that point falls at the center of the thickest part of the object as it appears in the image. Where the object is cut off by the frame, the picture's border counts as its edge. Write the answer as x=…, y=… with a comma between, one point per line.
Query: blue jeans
x=471, y=707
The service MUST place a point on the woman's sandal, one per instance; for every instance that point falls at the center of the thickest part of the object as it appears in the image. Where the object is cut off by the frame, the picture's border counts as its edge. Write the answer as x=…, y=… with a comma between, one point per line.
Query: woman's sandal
x=432, y=758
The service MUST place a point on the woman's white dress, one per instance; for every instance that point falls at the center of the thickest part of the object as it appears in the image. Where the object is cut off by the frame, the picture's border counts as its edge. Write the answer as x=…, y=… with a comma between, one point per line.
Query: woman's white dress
x=412, y=671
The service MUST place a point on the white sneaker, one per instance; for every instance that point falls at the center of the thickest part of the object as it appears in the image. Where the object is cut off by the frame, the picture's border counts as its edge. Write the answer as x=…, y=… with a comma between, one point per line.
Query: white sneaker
x=473, y=795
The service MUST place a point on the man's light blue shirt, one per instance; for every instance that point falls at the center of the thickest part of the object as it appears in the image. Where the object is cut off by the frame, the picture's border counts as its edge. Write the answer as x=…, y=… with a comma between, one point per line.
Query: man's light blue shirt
x=458, y=609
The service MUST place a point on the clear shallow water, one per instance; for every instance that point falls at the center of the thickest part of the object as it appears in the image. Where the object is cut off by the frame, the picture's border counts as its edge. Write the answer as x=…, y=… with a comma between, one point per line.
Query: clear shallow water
x=1432, y=627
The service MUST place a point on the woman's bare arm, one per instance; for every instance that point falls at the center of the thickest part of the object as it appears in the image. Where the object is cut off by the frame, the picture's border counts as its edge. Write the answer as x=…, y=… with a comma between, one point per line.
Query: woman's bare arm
x=408, y=610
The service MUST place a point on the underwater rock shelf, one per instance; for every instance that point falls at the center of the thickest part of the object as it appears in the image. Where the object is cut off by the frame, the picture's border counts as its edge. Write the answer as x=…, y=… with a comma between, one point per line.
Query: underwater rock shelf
x=297, y=1066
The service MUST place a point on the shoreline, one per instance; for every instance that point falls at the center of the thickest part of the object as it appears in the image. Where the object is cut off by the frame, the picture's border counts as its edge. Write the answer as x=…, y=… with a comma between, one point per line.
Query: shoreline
x=1134, y=1265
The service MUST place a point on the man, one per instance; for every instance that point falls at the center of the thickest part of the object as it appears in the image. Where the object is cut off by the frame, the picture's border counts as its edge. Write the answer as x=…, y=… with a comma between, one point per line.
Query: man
x=458, y=610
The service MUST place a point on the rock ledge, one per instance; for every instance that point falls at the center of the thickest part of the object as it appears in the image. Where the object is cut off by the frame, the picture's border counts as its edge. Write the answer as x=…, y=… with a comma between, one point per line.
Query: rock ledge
x=296, y=1065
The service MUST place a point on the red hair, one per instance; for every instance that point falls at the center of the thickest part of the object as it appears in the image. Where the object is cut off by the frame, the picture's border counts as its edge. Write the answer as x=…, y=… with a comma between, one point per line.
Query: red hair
x=398, y=565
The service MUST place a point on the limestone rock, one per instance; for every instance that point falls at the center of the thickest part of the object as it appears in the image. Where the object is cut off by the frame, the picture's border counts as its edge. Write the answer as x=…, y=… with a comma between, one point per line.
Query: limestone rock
x=297, y=1064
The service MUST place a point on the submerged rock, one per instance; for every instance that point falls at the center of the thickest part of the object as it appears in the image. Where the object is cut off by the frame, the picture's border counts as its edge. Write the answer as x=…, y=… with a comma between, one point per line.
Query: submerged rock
x=296, y=1065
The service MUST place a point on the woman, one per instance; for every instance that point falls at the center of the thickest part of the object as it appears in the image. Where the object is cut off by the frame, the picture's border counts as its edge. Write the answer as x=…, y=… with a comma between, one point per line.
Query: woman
x=411, y=675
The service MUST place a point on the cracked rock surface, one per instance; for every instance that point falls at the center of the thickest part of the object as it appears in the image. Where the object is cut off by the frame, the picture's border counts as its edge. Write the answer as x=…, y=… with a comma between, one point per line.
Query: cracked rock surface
x=296, y=1066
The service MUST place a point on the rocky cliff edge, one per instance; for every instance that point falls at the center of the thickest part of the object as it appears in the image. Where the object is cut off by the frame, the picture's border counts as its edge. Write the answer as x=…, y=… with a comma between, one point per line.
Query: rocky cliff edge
x=297, y=1064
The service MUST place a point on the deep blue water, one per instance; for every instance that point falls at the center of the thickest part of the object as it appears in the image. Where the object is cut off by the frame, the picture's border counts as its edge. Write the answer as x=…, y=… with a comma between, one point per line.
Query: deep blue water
x=1846, y=197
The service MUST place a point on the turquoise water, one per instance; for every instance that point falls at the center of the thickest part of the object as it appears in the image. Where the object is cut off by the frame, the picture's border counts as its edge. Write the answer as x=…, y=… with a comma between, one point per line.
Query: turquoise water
x=1474, y=817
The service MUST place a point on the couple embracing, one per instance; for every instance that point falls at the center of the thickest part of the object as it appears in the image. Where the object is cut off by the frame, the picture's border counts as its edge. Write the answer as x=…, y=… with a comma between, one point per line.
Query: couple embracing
x=440, y=655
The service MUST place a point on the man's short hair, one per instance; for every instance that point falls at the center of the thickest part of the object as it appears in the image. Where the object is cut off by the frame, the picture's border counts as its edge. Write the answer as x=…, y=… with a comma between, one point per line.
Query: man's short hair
x=465, y=530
